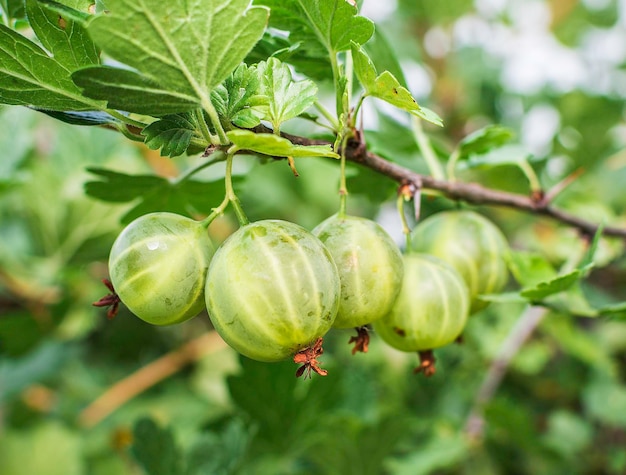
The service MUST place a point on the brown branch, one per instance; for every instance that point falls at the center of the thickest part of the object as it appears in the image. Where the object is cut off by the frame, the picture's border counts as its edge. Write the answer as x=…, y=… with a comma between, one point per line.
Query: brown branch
x=469, y=192
x=478, y=194
x=149, y=375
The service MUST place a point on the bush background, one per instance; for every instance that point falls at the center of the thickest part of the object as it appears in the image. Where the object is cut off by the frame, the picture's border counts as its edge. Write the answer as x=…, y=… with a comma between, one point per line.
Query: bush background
x=553, y=71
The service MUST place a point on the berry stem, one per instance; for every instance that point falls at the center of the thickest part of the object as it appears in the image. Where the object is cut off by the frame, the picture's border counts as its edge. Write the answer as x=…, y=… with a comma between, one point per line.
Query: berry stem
x=230, y=192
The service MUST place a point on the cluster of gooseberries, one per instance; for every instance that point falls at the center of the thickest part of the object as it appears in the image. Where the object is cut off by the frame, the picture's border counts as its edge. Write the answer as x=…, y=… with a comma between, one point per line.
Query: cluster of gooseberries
x=273, y=289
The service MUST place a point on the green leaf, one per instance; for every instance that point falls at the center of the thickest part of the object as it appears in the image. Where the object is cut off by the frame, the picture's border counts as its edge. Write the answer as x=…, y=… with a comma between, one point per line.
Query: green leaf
x=65, y=38
x=287, y=98
x=79, y=16
x=186, y=47
x=505, y=155
x=30, y=77
x=13, y=9
x=275, y=146
x=236, y=97
x=529, y=268
x=386, y=87
x=153, y=193
x=130, y=91
x=617, y=310
x=83, y=118
x=310, y=59
x=588, y=259
x=553, y=286
x=539, y=278
x=155, y=449
x=483, y=140
x=219, y=453
x=333, y=23
x=172, y=134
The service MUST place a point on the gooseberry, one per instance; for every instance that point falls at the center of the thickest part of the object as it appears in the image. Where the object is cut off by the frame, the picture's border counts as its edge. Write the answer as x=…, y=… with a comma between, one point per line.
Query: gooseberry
x=272, y=290
x=158, y=267
x=472, y=244
x=431, y=310
x=369, y=264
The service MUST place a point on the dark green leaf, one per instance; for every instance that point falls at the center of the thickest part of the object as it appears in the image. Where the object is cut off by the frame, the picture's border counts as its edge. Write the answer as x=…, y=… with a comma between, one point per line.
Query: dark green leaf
x=13, y=9
x=121, y=188
x=386, y=87
x=310, y=59
x=154, y=193
x=483, y=140
x=172, y=134
x=219, y=453
x=617, y=310
x=275, y=146
x=155, y=449
x=363, y=181
x=30, y=77
x=333, y=23
x=236, y=97
x=66, y=39
x=83, y=118
x=130, y=91
x=186, y=47
x=287, y=98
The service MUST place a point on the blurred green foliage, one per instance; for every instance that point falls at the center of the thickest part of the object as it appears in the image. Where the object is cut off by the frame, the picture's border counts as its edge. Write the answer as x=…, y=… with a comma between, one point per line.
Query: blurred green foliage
x=561, y=408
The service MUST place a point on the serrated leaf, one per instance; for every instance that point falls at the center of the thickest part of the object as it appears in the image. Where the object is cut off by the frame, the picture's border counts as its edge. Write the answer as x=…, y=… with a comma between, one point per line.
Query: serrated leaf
x=545, y=289
x=332, y=23
x=236, y=97
x=219, y=453
x=287, y=98
x=386, y=87
x=172, y=134
x=309, y=59
x=65, y=38
x=483, y=140
x=130, y=91
x=186, y=47
x=30, y=77
x=155, y=449
x=275, y=146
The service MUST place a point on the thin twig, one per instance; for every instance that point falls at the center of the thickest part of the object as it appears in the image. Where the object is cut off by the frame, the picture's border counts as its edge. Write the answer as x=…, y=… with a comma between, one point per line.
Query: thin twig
x=147, y=376
x=516, y=338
